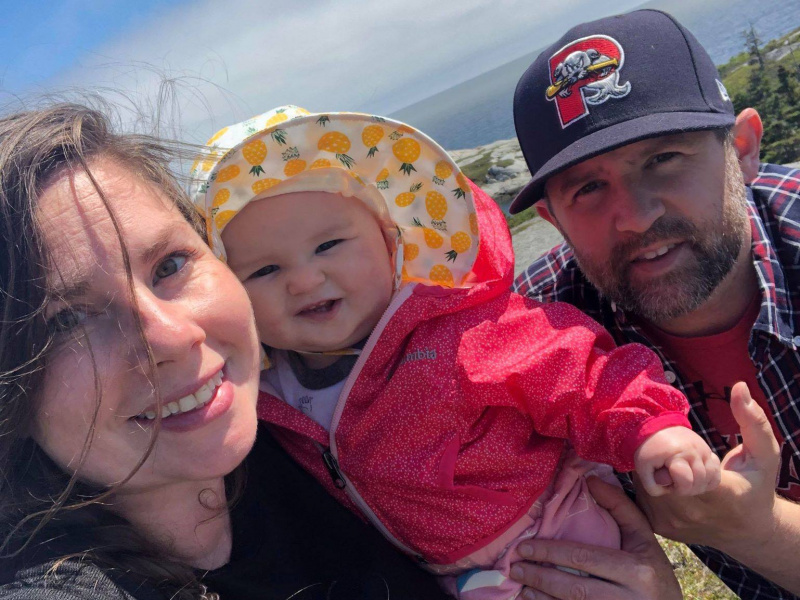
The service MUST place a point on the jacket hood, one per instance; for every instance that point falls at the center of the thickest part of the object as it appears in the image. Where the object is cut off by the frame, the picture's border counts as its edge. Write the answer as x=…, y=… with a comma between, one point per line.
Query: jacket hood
x=449, y=233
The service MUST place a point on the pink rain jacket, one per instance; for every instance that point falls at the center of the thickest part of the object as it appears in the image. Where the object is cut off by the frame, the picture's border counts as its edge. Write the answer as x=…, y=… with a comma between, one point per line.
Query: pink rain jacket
x=454, y=419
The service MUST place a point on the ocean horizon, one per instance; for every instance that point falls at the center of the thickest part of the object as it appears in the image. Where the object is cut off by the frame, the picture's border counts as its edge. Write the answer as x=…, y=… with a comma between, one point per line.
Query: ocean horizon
x=478, y=111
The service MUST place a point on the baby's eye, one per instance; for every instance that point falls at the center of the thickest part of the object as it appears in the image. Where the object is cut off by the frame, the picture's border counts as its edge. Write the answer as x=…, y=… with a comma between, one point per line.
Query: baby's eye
x=328, y=245
x=168, y=267
x=264, y=271
x=66, y=320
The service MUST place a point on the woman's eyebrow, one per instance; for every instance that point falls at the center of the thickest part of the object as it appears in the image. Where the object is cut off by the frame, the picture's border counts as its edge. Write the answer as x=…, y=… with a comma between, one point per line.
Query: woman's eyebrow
x=156, y=249
x=71, y=290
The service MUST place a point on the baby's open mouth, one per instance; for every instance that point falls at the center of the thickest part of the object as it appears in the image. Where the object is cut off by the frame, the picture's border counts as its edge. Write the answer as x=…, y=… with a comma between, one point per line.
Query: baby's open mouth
x=318, y=308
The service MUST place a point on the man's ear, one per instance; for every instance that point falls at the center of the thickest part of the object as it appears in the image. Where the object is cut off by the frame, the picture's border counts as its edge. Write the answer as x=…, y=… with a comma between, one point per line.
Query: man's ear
x=544, y=212
x=747, y=139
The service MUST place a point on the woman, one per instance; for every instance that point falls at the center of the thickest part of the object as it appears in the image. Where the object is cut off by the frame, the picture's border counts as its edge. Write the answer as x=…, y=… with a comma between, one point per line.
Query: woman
x=128, y=374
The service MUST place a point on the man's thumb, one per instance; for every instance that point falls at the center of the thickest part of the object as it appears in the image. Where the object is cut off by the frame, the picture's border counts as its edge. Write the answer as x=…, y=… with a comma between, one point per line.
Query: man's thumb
x=758, y=439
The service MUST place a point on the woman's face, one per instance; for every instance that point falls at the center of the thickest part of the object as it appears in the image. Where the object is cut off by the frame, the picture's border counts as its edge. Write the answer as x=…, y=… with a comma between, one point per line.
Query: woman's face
x=196, y=318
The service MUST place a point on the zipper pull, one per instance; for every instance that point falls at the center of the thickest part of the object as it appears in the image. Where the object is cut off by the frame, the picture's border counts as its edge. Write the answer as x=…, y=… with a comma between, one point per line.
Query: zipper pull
x=333, y=469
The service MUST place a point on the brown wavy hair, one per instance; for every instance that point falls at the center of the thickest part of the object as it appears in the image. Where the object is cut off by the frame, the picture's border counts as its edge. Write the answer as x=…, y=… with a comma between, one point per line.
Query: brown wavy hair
x=40, y=503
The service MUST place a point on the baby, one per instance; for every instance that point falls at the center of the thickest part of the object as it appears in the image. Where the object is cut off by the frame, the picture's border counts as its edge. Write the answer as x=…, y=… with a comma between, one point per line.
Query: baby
x=458, y=417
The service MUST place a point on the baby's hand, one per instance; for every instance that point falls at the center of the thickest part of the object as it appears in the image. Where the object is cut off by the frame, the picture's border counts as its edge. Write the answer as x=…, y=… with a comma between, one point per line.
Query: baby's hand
x=693, y=468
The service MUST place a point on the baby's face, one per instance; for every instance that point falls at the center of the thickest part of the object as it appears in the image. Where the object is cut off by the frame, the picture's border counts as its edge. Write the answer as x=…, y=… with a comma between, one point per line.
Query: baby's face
x=316, y=267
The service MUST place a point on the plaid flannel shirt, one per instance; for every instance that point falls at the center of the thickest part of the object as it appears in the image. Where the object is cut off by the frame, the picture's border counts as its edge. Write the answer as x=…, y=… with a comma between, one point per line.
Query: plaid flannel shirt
x=774, y=209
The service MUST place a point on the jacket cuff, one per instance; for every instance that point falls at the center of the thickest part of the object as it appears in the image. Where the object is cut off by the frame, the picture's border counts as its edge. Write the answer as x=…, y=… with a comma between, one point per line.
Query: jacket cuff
x=648, y=428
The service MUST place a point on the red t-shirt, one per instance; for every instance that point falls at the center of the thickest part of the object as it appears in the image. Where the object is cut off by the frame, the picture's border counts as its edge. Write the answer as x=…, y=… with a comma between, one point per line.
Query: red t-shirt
x=713, y=363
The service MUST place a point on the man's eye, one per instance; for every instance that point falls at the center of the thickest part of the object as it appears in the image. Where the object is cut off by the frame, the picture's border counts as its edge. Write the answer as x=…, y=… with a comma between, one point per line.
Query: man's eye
x=66, y=320
x=590, y=187
x=328, y=245
x=663, y=157
x=168, y=267
x=264, y=271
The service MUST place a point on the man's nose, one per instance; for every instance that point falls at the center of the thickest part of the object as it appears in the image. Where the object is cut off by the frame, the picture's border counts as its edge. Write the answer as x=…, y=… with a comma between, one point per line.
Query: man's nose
x=636, y=207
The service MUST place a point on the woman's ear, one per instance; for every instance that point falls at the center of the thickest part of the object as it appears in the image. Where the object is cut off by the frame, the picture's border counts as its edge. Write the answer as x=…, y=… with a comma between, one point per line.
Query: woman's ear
x=747, y=139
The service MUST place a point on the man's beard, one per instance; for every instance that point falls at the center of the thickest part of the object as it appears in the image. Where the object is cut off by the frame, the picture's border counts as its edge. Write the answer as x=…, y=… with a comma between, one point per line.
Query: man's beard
x=715, y=247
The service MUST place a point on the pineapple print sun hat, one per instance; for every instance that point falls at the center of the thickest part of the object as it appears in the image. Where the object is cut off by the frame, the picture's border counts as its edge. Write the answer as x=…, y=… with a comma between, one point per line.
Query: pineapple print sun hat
x=403, y=176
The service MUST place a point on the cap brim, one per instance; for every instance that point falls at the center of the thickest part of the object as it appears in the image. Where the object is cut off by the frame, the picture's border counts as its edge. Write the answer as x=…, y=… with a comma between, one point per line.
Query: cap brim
x=612, y=137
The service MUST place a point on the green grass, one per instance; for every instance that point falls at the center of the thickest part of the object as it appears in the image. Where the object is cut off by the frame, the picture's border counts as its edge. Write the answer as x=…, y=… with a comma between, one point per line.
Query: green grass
x=519, y=218
x=477, y=169
x=697, y=582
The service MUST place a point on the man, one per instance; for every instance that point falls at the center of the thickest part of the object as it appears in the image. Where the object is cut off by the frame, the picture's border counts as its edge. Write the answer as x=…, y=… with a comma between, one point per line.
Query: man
x=637, y=158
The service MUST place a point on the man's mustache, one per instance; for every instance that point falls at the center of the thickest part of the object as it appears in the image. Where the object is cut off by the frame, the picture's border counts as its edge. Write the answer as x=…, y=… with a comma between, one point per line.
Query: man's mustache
x=663, y=229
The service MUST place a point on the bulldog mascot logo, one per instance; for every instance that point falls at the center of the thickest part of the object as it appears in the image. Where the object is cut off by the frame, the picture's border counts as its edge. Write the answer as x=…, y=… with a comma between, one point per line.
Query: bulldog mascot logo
x=585, y=73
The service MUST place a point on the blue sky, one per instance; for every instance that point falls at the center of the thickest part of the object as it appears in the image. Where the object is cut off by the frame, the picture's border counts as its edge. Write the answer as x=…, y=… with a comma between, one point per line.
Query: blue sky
x=42, y=39
x=236, y=58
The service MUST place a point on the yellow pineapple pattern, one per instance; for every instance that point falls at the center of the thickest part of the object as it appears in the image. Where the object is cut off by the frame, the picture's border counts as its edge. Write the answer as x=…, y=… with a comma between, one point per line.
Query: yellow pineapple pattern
x=279, y=117
x=382, y=180
x=371, y=137
x=320, y=163
x=442, y=275
x=220, y=198
x=221, y=219
x=463, y=187
x=442, y=171
x=436, y=205
x=432, y=238
x=406, y=150
x=255, y=153
x=294, y=166
x=228, y=173
x=216, y=136
x=460, y=242
x=288, y=142
x=406, y=198
x=473, y=223
x=262, y=185
x=339, y=144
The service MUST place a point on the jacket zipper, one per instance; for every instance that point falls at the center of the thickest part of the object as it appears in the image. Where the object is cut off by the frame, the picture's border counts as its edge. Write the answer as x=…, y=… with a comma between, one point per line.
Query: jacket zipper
x=341, y=482
x=329, y=455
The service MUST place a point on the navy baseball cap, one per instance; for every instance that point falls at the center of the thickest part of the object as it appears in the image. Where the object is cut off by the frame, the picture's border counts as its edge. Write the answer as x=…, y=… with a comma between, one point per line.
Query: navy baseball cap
x=609, y=83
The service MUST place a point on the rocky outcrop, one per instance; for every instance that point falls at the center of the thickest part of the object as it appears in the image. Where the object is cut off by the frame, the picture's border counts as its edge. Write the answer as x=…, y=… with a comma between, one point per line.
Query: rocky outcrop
x=498, y=168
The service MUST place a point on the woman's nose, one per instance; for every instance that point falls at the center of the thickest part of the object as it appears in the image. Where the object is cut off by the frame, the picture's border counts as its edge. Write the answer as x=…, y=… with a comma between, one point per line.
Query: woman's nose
x=637, y=208
x=170, y=327
x=304, y=279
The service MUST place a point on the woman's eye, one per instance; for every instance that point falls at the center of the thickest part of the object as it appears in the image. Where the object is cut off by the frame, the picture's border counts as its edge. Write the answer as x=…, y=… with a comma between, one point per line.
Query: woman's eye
x=328, y=245
x=66, y=320
x=168, y=267
x=264, y=271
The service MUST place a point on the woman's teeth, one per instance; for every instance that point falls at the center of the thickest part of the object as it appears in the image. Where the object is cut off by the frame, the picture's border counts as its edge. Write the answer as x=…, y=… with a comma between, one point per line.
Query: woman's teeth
x=187, y=403
x=657, y=252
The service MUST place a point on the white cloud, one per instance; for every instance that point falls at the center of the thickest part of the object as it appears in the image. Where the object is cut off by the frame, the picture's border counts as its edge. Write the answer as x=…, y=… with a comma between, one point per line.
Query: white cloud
x=242, y=57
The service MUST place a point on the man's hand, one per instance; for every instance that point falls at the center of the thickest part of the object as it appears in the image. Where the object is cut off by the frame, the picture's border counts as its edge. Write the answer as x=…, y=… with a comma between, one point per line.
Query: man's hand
x=740, y=510
x=639, y=571
x=690, y=467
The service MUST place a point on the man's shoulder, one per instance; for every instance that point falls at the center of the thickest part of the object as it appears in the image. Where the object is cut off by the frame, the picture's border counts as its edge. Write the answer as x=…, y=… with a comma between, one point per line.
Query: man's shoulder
x=70, y=579
x=778, y=187
x=556, y=277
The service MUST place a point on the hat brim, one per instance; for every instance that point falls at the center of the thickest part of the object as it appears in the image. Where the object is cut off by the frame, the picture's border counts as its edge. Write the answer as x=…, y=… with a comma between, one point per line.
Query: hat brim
x=613, y=137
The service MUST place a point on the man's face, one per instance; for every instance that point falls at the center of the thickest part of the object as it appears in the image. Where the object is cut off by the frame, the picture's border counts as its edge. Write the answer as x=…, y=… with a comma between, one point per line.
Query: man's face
x=655, y=225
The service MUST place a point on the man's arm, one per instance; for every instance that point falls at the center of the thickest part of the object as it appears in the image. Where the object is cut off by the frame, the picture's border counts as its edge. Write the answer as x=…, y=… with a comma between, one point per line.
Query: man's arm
x=743, y=517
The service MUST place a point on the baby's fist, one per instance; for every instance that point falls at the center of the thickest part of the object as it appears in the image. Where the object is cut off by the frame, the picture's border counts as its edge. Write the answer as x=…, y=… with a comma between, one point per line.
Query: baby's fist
x=680, y=453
